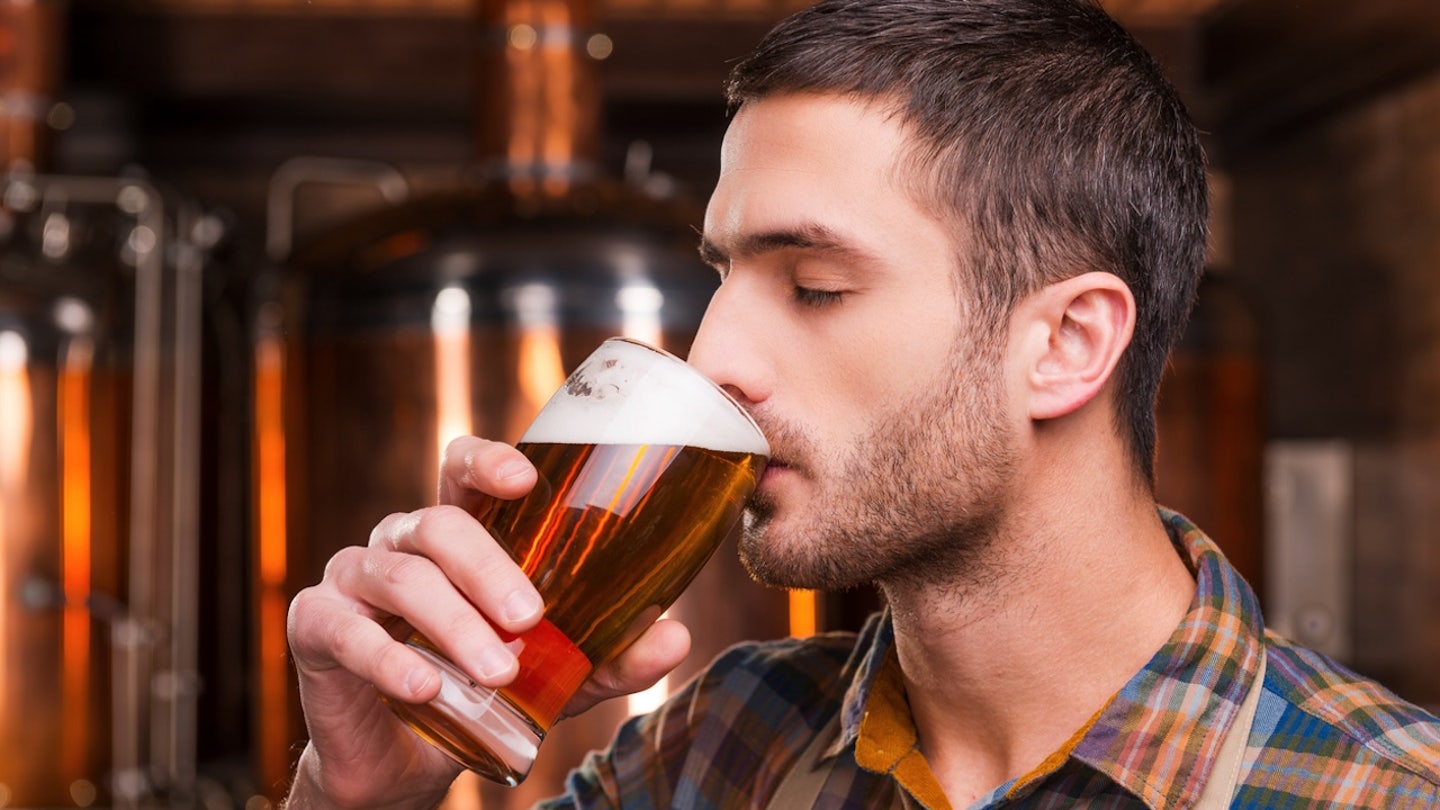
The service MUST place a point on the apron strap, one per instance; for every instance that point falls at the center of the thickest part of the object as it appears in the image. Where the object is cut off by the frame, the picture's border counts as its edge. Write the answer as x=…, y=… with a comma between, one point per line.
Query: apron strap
x=1224, y=778
x=806, y=778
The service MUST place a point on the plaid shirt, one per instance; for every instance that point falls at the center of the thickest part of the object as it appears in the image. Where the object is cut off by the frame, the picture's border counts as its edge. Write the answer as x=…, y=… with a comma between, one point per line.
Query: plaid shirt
x=1322, y=735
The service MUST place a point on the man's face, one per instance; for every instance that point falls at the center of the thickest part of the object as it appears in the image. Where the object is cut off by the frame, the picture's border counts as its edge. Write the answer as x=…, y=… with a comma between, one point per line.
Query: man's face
x=839, y=324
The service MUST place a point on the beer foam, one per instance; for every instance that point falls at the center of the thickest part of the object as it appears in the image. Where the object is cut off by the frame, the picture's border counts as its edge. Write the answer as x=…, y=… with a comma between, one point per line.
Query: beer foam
x=627, y=393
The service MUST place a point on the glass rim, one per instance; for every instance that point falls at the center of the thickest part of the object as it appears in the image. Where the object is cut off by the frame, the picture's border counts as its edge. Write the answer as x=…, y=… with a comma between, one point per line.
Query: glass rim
x=682, y=362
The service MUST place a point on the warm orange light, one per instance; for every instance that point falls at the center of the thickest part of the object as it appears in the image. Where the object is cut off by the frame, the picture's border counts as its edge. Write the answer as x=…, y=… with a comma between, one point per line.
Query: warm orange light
x=804, y=613
x=16, y=424
x=649, y=700
x=74, y=405
x=558, y=147
x=640, y=306
x=273, y=722
x=544, y=84
x=271, y=519
x=526, y=80
x=270, y=459
x=540, y=367
x=450, y=324
x=16, y=420
x=464, y=793
x=73, y=397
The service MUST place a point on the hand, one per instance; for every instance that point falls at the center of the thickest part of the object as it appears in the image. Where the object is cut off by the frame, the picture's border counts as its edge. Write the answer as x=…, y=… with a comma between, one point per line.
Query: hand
x=437, y=571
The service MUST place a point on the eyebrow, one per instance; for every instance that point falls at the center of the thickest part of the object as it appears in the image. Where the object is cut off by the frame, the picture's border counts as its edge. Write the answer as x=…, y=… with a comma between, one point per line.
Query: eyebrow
x=808, y=236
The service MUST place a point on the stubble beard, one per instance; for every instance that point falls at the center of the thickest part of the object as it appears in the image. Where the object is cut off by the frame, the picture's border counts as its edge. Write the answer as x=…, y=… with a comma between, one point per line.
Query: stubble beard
x=918, y=500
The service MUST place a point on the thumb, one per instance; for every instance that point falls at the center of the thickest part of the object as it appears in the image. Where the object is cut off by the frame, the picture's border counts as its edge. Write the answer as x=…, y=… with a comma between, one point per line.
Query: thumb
x=658, y=651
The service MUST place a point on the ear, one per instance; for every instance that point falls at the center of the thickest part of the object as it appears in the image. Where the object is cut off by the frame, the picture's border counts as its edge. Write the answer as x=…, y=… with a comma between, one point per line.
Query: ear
x=1072, y=335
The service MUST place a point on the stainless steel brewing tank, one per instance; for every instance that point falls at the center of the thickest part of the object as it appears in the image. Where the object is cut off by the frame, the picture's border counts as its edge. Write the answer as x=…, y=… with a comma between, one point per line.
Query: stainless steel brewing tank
x=384, y=339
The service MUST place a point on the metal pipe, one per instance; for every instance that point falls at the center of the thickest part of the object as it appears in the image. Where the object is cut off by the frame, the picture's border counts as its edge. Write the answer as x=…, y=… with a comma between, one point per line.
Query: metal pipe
x=136, y=643
x=301, y=171
x=177, y=688
x=135, y=628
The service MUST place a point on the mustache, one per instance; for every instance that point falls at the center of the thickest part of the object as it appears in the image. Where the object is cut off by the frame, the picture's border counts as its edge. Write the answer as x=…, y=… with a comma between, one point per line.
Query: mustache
x=790, y=444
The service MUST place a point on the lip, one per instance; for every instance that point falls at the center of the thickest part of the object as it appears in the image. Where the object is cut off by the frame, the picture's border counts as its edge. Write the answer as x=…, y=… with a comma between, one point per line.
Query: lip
x=774, y=470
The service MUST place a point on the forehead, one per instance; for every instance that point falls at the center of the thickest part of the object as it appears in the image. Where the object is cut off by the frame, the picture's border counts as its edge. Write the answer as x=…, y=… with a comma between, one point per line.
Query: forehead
x=812, y=156
x=820, y=128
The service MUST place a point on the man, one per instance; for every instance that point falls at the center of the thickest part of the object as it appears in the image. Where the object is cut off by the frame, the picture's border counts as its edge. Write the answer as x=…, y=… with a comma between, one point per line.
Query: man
x=956, y=240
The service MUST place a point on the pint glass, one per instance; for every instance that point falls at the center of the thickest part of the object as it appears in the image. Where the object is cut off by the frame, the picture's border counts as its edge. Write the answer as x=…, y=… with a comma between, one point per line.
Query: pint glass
x=644, y=468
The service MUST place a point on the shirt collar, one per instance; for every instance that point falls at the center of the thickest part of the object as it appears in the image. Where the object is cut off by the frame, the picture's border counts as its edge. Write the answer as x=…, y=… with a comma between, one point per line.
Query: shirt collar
x=877, y=641
x=1159, y=734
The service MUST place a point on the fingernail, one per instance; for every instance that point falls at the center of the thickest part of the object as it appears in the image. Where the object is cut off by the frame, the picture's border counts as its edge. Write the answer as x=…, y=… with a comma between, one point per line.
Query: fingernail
x=521, y=606
x=495, y=661
x=418, y=679
x=511, y=469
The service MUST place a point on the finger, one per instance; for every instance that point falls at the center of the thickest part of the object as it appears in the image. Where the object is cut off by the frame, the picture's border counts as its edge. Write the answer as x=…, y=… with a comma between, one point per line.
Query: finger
x=327, y=633
x=658, y=651
x=473, y=468
x=470, y=558
x=380, y=582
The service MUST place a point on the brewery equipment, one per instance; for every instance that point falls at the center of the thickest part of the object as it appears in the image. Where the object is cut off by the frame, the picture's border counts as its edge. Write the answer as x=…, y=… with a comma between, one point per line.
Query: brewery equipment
x=100, y=335
x=100, y=406
x=65, y=400
x=378, y=341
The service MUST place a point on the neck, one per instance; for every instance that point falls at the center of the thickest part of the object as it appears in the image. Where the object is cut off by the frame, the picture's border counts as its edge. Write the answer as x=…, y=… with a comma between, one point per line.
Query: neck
x=1001, y=673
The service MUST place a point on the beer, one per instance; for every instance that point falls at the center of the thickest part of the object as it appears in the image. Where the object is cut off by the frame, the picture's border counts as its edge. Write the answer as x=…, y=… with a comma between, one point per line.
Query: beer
x=641, y=476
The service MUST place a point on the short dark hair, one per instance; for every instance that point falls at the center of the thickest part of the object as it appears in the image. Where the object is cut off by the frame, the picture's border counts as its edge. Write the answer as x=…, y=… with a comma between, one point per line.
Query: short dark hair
x=1045, y=132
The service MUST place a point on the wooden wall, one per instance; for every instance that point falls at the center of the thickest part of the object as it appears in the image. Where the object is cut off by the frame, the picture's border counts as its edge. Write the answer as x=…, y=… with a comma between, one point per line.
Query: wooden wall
x=1329, y=127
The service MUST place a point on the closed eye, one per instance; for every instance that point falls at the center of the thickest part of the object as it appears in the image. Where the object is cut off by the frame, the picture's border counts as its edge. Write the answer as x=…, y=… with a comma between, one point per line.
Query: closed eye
x=811, y=297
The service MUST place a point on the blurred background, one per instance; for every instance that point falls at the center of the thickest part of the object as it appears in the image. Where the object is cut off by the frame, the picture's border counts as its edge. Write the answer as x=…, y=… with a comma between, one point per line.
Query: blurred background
x=259, y=259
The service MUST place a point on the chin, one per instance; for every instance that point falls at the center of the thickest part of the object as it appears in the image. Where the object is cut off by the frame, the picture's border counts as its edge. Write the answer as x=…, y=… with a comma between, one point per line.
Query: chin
x=759, y=555
x=783, y=556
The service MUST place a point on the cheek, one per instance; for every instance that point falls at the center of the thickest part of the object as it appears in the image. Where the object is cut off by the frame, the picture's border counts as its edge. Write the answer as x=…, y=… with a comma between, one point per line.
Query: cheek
x=910, y=353
x=850, y=368
x=876, y=380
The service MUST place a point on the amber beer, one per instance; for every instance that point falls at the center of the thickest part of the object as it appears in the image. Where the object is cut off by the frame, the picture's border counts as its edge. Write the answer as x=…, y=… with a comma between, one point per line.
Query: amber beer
x=644, y=468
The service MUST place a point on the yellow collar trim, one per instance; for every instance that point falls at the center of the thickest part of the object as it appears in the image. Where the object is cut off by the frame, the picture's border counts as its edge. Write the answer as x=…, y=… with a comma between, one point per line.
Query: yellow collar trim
x=887, y=742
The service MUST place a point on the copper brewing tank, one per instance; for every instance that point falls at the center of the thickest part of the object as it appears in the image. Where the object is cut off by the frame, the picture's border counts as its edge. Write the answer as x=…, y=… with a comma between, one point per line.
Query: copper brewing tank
x=64, y=406
x=457, y=313
x=100, y=492
x=64, y=430
x=99, y=414
x=30, y=56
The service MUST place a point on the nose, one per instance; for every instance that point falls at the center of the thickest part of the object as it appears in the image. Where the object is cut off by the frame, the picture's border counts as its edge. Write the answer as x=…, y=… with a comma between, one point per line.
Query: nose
x=729, y=347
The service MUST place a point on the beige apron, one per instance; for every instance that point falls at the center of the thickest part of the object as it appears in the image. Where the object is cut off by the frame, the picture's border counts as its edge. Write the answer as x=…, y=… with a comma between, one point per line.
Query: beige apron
x=804, y=781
